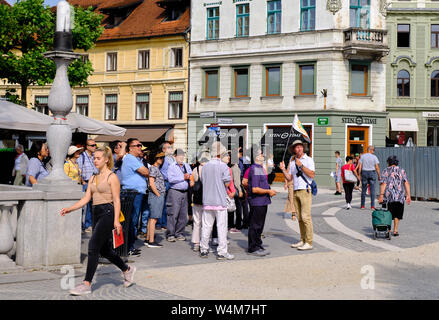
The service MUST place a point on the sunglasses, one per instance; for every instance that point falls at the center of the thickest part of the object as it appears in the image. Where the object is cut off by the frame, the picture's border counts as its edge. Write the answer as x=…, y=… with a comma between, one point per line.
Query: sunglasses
x=136, y=145
x=91, y=145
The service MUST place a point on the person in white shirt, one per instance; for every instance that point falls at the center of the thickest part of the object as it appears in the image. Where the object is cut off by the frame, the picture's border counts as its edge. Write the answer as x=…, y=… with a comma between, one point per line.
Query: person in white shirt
x=20, y=166
x=302, y=192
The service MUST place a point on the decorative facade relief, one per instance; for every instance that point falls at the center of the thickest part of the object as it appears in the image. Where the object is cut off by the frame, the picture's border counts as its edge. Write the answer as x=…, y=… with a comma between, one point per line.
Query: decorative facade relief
x=333, y=6
x=383, y=7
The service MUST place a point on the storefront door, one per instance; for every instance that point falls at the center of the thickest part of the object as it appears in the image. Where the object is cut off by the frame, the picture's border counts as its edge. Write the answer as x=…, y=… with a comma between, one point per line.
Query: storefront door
x=433, y=133
x=357, y=140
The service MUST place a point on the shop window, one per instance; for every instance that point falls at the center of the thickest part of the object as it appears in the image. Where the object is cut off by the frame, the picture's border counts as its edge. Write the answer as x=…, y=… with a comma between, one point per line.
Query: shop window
x=241, y=82
x=175, y=105
x=403, y=83
x=212, y=23
x=142, y=106
x=435, y=84
x=242, y=20
x=433, y=133
x=402, y=138
x=308, y=15
x=42, y=104
x=82, y=105
x=143, y=59
x=111, y=107
x=359, y=12
x=274, y=16
x=272, y=81
x=211, y=84
x=359, y=79
x=403, y=37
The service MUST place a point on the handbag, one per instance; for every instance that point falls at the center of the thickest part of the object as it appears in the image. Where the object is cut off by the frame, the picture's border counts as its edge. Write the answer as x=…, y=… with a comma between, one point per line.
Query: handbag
x=231, y=205
x=349, y=176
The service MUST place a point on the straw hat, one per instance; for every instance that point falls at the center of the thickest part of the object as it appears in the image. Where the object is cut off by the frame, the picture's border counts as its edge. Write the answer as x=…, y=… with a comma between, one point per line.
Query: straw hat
x=72, y=150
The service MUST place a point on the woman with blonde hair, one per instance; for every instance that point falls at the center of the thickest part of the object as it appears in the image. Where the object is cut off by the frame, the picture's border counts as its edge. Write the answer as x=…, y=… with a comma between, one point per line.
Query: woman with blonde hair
x=104, y=189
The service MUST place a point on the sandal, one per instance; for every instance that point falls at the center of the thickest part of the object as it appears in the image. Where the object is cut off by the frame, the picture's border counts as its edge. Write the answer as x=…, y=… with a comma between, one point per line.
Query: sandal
x=395, y=234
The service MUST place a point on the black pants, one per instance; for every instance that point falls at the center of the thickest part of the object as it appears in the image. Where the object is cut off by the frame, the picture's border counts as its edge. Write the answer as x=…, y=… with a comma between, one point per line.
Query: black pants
x=232, y=222
x=245, y=213
x=348, y=189
x=101, y=240
x=256, y=226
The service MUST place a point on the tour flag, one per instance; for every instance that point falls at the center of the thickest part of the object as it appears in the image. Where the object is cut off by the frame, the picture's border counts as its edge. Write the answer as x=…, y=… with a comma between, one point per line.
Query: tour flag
x=297, y=125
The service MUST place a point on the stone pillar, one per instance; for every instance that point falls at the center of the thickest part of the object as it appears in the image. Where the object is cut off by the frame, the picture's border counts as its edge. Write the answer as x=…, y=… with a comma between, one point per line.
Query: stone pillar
x=6, y=234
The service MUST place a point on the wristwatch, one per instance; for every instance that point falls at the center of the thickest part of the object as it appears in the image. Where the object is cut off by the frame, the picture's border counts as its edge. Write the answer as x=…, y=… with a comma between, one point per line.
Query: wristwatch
x=301, y=166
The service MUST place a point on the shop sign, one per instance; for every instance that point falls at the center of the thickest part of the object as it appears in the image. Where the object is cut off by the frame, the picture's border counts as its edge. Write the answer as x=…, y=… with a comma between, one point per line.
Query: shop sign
x=207, y=114
x=225, y=120
x=322, y=121
x=359, y=120
x=430, y=114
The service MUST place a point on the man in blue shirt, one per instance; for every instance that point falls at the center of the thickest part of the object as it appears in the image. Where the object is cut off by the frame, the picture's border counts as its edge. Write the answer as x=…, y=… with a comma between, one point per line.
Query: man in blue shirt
x=87, y=168
x=179, y=174
x=169, y=159
x=134, y=175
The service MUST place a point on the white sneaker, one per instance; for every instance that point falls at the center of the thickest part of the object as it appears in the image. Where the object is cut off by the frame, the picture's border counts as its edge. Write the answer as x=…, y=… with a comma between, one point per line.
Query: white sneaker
x=306, y=246
x=297, y=245
x=349, y=206
x=227, y=256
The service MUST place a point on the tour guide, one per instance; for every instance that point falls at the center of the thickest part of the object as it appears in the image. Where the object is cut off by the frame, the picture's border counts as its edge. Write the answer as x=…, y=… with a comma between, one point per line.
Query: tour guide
x=302, y=193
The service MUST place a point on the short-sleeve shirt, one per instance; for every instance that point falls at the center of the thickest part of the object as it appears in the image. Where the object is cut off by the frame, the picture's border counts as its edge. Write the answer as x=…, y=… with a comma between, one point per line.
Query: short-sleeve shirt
x=131, y=179
x=298, y=182
x=214, y=175
x=72, y=171
x=368, y=162
x=339, y=161
x=258, y=179
x=394, y=177
x=347, y=166
x=36, y=169
x=159, y=180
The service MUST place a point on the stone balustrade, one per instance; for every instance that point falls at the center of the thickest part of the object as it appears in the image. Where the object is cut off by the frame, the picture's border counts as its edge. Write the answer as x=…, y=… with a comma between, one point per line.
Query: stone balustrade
x=33, y=232
x=354, y=36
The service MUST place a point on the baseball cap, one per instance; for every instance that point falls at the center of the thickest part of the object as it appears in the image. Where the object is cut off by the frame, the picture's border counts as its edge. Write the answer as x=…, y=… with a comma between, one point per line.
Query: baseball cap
x=72, y=150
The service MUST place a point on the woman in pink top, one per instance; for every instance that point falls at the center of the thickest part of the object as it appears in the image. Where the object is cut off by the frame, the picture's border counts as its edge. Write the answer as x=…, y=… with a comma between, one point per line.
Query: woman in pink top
x=348, y=186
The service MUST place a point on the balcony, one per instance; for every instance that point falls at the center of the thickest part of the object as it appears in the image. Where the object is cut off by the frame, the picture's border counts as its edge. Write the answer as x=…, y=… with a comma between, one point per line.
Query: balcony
x=365, y=44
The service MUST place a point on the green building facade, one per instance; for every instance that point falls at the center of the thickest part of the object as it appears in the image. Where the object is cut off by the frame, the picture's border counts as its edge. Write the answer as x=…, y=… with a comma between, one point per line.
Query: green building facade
x=412, y=94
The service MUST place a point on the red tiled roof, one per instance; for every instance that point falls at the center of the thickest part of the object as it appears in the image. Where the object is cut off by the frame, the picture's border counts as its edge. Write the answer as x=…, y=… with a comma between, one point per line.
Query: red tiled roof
x=146, y=20
x=4, y=2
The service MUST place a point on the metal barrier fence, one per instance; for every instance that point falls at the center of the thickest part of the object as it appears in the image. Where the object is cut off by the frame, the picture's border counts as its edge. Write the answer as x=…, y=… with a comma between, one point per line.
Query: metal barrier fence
x=421, y=165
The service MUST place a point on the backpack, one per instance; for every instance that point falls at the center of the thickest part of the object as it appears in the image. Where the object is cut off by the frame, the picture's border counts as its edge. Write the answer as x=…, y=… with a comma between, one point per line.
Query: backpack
x=197, y=189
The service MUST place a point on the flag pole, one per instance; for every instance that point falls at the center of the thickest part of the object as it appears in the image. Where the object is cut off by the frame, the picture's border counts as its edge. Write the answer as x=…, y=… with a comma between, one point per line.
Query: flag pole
x=286, y=147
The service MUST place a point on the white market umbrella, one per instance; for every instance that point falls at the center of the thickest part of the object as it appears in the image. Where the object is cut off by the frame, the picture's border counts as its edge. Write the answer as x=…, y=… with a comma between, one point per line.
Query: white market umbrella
x=85, y=124
x=16, y=117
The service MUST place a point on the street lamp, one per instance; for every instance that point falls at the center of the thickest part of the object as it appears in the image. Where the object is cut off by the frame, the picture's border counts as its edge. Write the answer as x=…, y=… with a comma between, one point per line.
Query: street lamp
x=59, y=135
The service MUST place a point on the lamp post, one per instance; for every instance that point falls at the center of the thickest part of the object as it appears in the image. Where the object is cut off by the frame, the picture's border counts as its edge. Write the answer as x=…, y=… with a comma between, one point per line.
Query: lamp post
x=59, y=135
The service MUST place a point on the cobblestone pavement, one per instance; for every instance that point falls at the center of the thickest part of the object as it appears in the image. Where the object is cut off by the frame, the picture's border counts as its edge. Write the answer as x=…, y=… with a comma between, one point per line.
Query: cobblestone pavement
x=335, y=228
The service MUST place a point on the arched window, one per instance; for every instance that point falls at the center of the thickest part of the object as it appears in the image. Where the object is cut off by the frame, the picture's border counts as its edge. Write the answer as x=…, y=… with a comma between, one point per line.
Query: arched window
x=435, y=84
x=403, y=83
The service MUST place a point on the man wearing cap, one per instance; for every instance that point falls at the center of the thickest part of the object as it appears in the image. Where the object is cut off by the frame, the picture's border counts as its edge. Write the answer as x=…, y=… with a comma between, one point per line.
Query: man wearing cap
x=302, y=192
x=215, y=178
x=87, y=167
x=71, y=167
x=179, y=174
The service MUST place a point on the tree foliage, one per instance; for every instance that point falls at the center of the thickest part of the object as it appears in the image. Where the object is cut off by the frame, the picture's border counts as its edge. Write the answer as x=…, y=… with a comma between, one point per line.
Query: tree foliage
x=27, y=31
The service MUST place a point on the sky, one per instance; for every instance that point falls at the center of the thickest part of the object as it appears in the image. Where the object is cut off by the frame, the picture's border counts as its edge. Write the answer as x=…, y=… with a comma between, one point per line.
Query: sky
x=47, y=2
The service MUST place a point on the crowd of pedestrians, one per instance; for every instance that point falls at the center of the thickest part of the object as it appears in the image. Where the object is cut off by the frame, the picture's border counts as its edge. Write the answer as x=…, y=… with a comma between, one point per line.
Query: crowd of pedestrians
x=224, y=192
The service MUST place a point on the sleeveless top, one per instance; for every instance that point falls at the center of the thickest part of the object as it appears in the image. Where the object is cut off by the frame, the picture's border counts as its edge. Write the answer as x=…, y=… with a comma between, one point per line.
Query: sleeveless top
x=101, y=191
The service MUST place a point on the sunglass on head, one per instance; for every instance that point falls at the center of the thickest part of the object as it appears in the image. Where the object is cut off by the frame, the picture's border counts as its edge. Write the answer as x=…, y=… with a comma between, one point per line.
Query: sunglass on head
x=136, y=145
x=91, y=145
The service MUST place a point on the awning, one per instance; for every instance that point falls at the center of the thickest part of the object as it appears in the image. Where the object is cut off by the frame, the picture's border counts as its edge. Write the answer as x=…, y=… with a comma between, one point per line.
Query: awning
x=144, y=134
x=404, y=124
